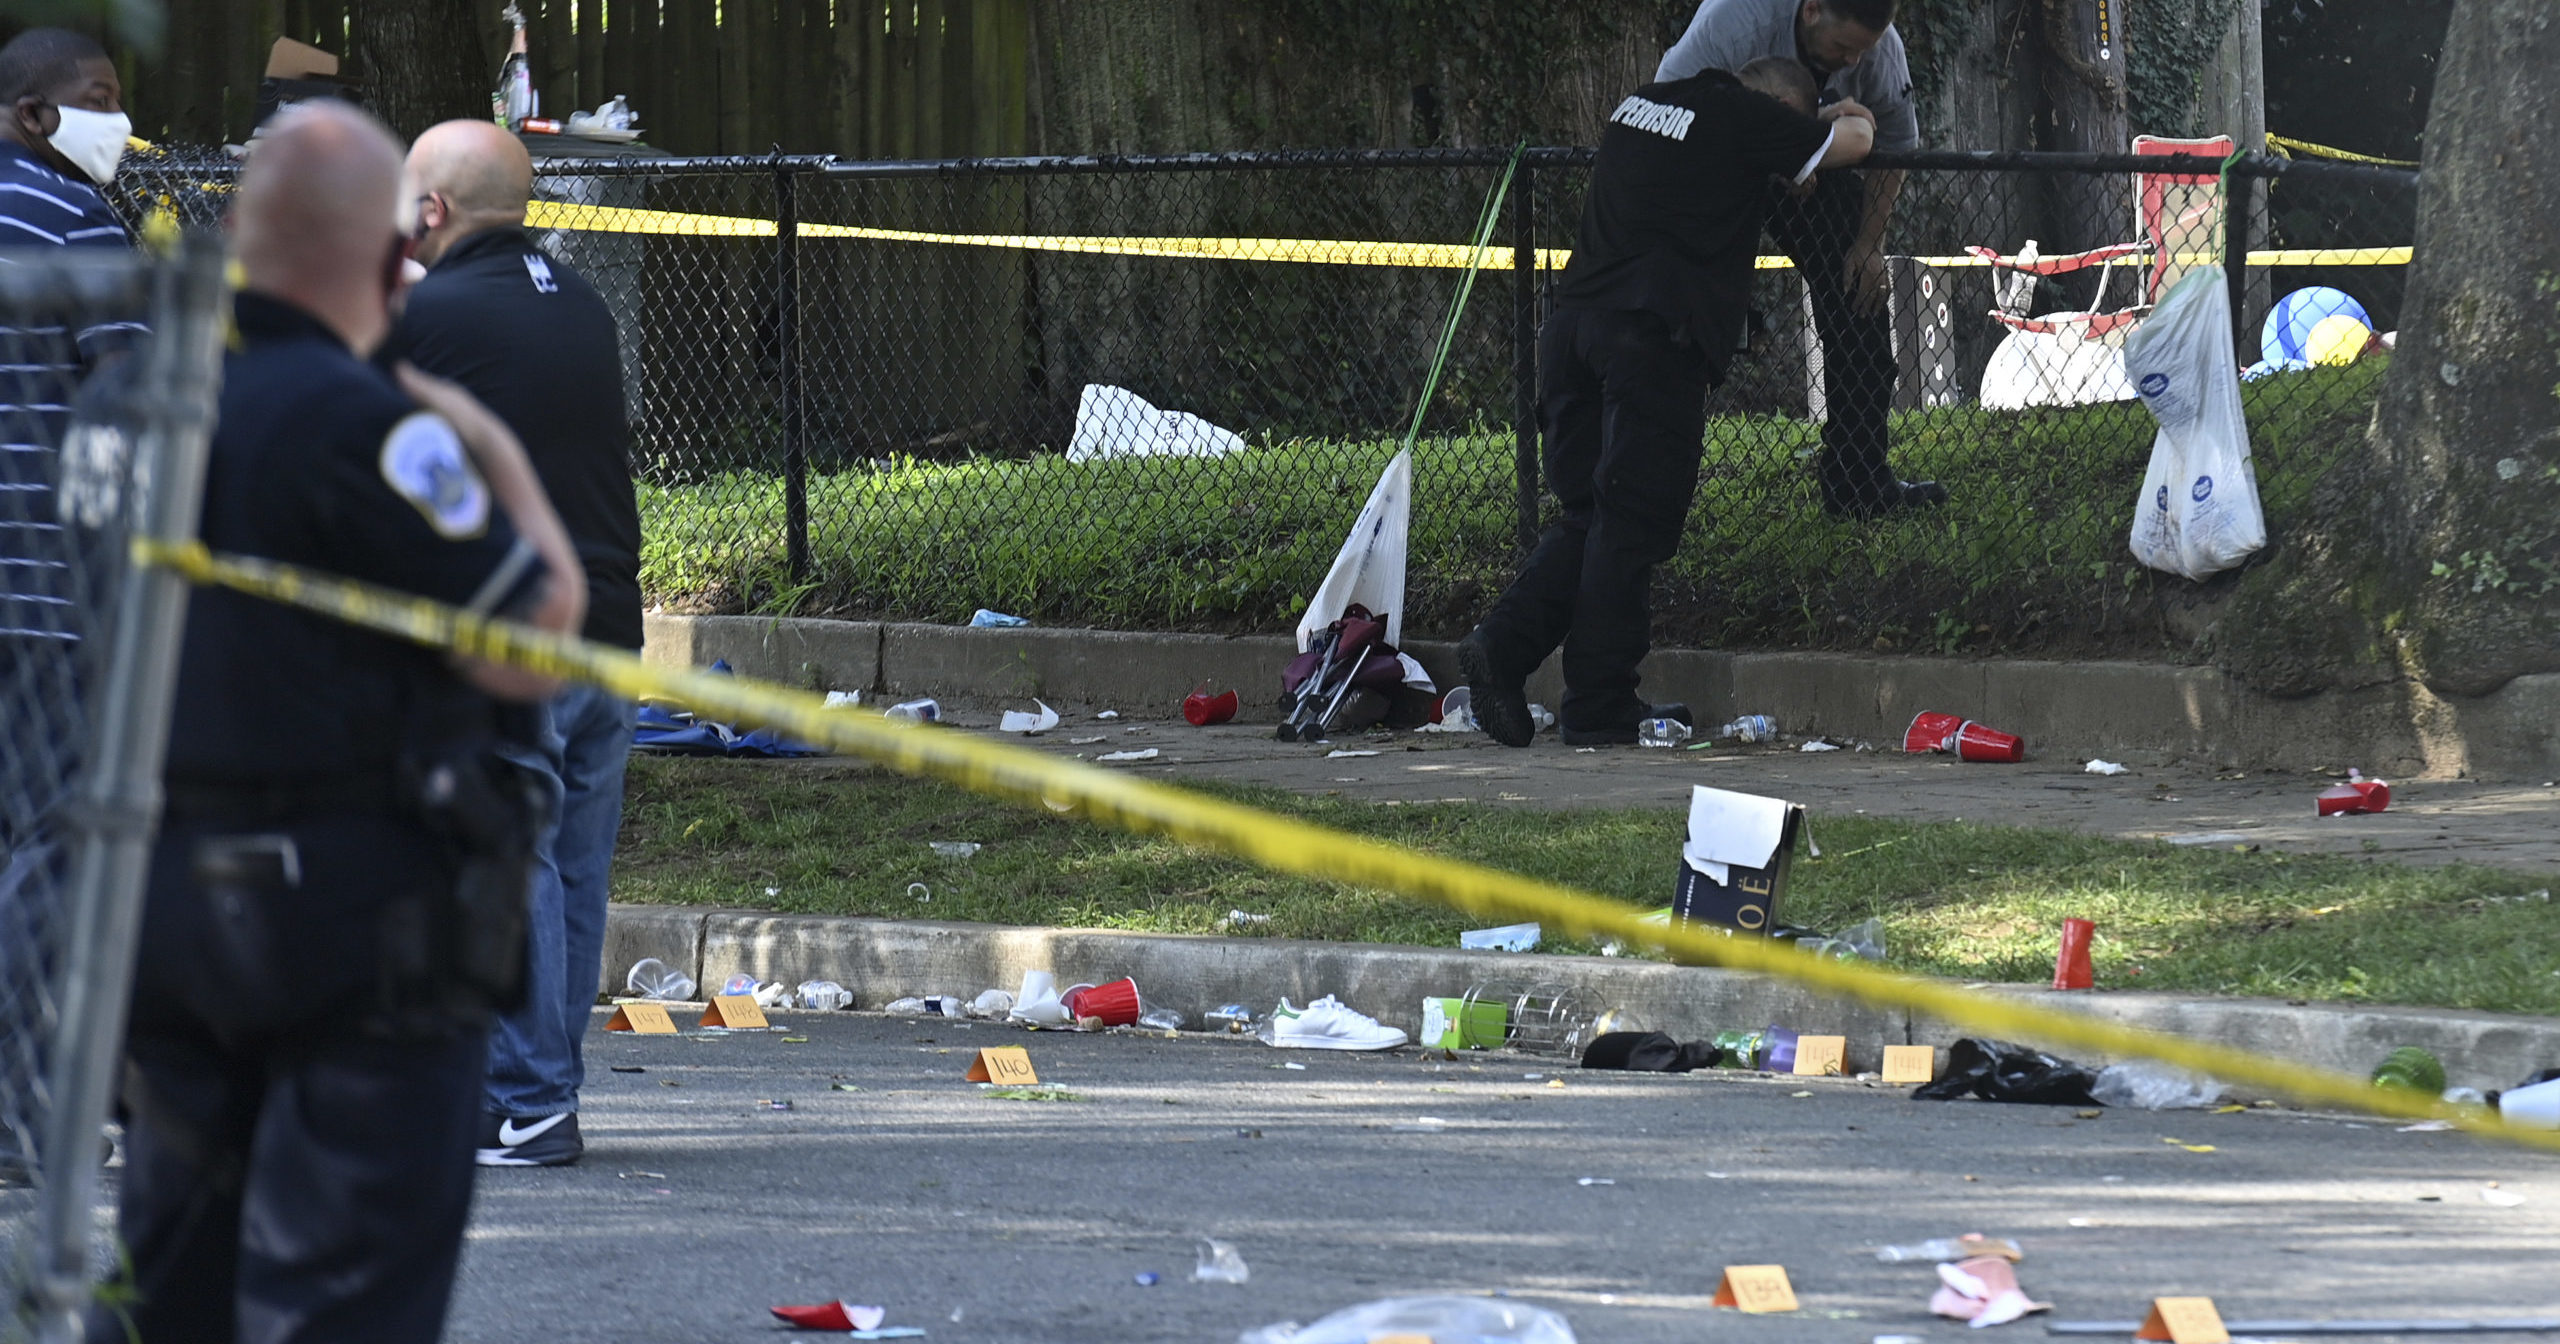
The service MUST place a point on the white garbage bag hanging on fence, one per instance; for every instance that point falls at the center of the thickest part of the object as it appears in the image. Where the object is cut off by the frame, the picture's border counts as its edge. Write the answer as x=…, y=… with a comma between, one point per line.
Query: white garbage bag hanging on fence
x=2198, y=514
x=1369, y=569
x=1116, y=422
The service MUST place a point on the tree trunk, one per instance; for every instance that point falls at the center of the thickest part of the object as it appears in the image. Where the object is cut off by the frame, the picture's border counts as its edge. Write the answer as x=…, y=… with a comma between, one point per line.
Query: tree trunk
x=2435, y=552
x=421, y=61
x=2467, y=438
x=2085, y=112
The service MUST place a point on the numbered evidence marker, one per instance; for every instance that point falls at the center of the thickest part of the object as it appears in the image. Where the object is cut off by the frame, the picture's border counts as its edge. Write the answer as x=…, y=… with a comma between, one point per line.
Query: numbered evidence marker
x=2184, y=1320
x=1821, y=1056
x=733, y=1010
x=1009, y=1065
x=649, y=1019
x=1755, y=1288
x=1910, y=1063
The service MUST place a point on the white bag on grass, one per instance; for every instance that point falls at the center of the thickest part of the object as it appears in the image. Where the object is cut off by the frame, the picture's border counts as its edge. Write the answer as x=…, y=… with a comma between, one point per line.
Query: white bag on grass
x=1116, y=422
x=2198, y=514
x=1369, y=569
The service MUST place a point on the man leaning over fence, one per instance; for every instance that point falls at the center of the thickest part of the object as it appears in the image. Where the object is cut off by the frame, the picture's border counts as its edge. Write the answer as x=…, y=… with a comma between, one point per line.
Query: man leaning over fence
x=527, y=336
x=336, y=892
x=1650, y=311
x=62, y=131
x=1835, y=231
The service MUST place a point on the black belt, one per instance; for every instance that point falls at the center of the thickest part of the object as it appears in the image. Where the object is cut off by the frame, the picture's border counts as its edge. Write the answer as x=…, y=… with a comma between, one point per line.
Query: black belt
x=276, y=802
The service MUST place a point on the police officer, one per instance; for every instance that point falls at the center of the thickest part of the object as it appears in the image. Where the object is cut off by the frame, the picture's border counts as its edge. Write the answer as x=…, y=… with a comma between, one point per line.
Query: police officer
x=535, y=343
x=1833, y=227
x=1650, y=311
x=336, y=893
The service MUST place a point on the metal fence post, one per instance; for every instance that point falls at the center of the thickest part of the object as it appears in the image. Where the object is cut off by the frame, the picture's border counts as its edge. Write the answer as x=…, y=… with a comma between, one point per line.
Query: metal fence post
x=118, y=806
x=795, y=401
x=1524, y=349
x=2238, y=209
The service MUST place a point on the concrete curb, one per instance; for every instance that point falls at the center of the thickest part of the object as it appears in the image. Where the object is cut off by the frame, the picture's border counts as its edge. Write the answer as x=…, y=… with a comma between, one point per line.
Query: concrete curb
x=881, y=960
x=2148, y=713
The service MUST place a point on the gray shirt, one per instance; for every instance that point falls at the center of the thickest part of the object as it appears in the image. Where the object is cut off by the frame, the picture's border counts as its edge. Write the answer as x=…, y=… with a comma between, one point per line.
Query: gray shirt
x=1730, y=34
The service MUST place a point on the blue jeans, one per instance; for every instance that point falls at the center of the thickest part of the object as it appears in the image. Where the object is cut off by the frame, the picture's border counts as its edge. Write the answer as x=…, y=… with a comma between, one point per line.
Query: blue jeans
x=536, y=1061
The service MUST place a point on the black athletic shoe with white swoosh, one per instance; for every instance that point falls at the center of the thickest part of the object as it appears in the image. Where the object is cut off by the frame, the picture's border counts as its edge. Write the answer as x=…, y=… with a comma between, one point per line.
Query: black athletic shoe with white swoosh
x=530, y=1140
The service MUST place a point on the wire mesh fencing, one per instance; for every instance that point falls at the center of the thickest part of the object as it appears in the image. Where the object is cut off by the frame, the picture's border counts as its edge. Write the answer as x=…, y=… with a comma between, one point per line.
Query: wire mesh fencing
x=1149, y=392
x=107, y=365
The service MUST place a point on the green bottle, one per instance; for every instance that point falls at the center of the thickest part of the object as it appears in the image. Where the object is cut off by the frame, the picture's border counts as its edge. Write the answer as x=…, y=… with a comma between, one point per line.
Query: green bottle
x=2411, y=1069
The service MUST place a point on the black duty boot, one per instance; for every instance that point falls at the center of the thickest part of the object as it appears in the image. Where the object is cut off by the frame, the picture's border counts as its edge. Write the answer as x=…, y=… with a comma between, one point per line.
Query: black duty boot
x=1625, y=735
x=1500, y=702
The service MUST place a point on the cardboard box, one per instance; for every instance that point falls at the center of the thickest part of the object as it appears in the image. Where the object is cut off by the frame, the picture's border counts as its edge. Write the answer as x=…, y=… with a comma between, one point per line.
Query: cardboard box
x=1452, y=1024
x=1733, y=869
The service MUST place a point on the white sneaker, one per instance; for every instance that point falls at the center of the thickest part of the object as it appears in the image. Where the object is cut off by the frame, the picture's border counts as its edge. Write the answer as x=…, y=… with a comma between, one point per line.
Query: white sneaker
x=1326, y=1025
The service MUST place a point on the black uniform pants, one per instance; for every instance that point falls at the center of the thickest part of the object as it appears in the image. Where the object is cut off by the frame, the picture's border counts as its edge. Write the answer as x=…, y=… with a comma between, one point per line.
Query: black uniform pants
x=1857, y=348
x=1623, y=407
x=298, y=1159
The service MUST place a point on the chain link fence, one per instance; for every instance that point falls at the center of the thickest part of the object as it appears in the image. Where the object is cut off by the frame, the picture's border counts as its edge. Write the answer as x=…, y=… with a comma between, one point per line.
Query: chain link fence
x=1152, y=392
x=107, y=365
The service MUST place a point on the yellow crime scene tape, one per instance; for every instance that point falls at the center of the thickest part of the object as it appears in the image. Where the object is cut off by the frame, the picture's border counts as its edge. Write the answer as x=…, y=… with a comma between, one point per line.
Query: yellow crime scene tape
x=1318, y=251
x=2284, y=143
x=1282, y=844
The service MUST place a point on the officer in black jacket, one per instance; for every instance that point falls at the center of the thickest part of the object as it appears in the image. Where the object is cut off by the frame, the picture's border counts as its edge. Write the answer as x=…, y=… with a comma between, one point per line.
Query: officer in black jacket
x=528, y=337
x=1650, y=311
x=336, y=896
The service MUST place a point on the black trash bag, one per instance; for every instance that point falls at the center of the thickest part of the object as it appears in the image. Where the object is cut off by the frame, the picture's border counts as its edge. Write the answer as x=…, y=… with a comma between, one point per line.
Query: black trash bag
x=1648, y=1052
x=2000, y=1071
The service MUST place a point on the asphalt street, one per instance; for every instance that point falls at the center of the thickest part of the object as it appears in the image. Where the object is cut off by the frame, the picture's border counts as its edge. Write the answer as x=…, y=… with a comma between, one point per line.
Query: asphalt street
x=1364, y=1176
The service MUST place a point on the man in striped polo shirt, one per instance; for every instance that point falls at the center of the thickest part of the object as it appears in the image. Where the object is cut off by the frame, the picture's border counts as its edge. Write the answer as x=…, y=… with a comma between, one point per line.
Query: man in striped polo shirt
x=62, y=130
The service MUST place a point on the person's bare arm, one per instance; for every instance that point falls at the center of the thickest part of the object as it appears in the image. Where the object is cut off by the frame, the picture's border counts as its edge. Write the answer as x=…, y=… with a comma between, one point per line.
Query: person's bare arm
x=561, y=603
x=1853, y=134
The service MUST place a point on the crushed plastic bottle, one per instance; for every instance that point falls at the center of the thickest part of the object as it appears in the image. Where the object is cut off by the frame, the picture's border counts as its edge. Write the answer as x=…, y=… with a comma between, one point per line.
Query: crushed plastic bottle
x=1942, y=1249
x=1541, y=718
x=1219, y=1263
x=651, y=978
x=1862, y=941
x=1160, y=1019
x=825, y=994
x=1233, y=1018
x=1662, y=731
x=2149, y=1085
x=1750, y=728
x=993, y=1003
x=1475, y=1320
x=955, y=849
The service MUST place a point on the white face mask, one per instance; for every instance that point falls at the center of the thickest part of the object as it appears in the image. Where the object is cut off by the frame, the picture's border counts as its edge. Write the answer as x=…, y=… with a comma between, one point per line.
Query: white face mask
x=93, y=141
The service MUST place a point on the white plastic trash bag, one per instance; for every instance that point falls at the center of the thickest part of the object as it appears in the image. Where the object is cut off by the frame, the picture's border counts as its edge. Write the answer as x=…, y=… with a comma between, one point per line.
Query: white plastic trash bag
x=2054, y=368
x=1369, y=569
x=1116, y=422
x=2198, y=514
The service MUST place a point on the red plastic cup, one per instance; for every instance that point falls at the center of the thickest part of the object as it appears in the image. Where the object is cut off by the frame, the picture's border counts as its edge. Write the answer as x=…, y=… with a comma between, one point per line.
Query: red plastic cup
x=1930, y=731
x=2071, y=966
x=2356, y=795
x=1203, y=709
x=1116, y=1004
x=1977, y=743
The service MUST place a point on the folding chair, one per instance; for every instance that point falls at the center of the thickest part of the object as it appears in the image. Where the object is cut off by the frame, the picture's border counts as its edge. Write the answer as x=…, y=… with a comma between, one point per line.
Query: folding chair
x=2076, y=358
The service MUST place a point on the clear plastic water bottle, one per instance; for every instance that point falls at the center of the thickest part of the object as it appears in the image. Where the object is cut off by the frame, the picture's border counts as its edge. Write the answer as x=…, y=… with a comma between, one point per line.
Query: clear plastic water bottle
x=1750, y=728
x=1662, y=732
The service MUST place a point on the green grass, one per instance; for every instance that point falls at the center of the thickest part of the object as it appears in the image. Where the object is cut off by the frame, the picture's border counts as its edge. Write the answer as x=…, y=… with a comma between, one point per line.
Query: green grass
x=1961, y=900
x=2030, y=557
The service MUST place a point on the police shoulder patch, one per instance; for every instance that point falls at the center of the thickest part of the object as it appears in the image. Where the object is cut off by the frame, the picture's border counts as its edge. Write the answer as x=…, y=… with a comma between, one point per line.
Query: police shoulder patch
x=423, y=462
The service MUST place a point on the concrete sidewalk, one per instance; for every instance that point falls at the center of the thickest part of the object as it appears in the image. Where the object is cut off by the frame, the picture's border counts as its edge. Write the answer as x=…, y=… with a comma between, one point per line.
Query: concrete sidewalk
x=2137, y=712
